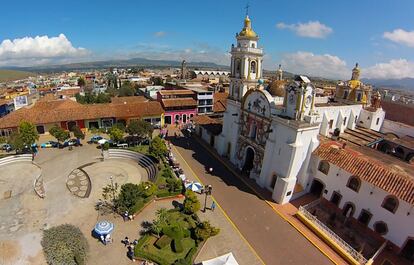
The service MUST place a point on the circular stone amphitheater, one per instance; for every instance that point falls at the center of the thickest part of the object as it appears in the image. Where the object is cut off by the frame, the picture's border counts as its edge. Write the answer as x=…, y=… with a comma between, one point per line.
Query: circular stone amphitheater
x=59, y=186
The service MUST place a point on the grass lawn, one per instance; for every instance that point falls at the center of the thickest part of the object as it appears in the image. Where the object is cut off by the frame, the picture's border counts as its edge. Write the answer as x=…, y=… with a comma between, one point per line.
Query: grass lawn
x=143, y=149
x=166, y=255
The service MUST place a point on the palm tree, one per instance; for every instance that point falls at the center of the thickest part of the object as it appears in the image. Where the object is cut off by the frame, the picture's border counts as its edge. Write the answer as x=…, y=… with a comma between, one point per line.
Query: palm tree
x=162, y=215
x=156, y=227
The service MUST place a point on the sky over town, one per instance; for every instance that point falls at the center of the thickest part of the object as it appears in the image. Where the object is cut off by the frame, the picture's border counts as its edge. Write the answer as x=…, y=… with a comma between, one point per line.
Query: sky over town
x=320, y=38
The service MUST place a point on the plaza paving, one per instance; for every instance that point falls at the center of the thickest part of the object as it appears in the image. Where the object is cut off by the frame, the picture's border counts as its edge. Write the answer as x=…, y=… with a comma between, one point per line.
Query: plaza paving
x=24, y=215
x=275, y=240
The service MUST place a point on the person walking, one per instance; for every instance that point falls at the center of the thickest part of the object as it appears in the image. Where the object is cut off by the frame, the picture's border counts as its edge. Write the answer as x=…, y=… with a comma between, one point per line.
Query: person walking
x=213, y=206
x=126, y=241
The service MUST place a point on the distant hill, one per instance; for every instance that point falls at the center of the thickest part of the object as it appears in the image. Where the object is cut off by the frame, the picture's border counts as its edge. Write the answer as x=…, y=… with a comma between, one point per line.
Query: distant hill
x=10, y=75
x=134, y=62
x=405, y=83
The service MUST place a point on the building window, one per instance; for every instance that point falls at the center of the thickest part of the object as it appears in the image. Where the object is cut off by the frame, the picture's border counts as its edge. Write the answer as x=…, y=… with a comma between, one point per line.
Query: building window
x=359, y=96
x=324, y=167
x=356, y=119
x=381, y=228
x=253, y=67
x=364, y=217
x=253, y=45
x=331, y=124
x=344, y=121
x=346, y=94
x=354, y=183
x=238, y=66
x=378, y=119
x=390, y=203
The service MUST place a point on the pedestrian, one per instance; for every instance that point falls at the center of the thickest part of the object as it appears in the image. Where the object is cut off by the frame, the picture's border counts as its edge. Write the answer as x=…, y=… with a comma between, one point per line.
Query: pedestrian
x=103, y=239
x=126, y=241
x=125, y=216
x=213, y=206
x=135, y=242
x=108, y=238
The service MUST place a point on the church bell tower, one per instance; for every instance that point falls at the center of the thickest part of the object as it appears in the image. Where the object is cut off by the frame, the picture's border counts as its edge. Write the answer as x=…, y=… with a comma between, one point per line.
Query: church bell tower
x=246, y=62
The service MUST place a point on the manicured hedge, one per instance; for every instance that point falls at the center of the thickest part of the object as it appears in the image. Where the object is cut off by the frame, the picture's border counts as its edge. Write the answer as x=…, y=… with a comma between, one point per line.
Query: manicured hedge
x=163, y=241
x=178, y=246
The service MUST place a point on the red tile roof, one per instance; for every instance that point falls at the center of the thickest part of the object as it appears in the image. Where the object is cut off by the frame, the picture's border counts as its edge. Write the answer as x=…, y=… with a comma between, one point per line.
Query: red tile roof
x=54, y=111
x=368, y=169
x=166, y=92
x=220, y=101
x=128, y=100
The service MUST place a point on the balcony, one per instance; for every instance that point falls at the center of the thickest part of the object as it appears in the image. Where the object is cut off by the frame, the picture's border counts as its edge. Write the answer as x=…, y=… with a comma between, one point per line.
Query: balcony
x=247, y=49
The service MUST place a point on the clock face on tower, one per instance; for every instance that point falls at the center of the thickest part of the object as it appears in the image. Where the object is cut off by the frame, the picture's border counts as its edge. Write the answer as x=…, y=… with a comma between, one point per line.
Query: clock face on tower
x=308, y=101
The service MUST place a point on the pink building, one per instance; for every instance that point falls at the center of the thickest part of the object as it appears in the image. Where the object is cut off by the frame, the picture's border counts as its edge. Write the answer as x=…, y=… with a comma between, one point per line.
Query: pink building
x=179, y=105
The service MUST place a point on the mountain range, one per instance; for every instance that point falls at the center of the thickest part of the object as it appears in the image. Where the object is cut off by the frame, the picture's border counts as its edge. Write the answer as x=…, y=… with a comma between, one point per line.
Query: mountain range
x=404, y=83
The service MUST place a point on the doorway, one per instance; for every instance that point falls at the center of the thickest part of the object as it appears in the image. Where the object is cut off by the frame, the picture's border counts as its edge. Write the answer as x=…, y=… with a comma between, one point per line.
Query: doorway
x=348, y=210
x=336, y=198
x=71, y=125
x=167, y=119
x=317, y=188
x=248, y=161
x=40, y=129
x=408, y=250
x=184, y=118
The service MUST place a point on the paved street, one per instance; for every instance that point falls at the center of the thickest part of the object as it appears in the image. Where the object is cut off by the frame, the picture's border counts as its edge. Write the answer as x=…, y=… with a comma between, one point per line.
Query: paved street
x=275, y=241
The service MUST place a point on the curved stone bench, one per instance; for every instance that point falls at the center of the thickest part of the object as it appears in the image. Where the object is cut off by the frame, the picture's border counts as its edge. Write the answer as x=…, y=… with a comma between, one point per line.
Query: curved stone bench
x=79, y=183
x=144, y=161
x=15, y=159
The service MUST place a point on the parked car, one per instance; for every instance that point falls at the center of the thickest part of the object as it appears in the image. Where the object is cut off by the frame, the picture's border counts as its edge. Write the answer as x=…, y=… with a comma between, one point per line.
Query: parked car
x=49, y=144
x=94, y=139
x=6, y=147
x=71, y=142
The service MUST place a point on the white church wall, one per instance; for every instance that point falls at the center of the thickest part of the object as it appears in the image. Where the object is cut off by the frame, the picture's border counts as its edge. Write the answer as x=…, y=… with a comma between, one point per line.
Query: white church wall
x=230, y=129
x=371, y=120
x=370, y=198
x=332, y=114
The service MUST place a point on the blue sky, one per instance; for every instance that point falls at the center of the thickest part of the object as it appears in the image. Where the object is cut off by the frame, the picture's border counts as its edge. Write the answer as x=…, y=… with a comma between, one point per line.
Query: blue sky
x=322, y=38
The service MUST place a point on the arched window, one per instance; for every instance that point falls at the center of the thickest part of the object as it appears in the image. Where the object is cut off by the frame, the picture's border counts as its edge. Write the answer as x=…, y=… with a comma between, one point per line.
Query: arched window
x=238, y=66
x=354, y=183
x=390, y=203
x=253, y=67
x=253, y=45
x=381, y=228
x=324, y=167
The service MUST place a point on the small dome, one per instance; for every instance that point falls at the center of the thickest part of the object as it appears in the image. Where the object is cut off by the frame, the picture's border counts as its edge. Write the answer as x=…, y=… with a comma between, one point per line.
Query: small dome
x=277, y=88
x=247, y=30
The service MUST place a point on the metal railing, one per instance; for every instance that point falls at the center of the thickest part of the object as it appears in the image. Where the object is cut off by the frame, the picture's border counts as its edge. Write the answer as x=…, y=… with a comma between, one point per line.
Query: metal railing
x=334, y=237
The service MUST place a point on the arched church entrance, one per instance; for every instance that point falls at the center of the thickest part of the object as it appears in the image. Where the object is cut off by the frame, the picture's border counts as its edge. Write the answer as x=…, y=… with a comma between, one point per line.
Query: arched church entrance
x=348, y=210
x=248, y=161
x=317, y=187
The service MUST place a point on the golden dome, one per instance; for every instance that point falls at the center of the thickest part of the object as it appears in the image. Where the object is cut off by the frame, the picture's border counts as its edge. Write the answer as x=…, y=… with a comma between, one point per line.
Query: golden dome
x=247, y=30
x=277, y=88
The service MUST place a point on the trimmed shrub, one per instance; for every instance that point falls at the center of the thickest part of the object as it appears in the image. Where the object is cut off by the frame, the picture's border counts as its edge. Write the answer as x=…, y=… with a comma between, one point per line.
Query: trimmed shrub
x=178, y=246
x=190, y=255
x=182, y=262
x=174, y=231
x=191, y=202
x=65, y=244
x=163, y=241
x=205, y=230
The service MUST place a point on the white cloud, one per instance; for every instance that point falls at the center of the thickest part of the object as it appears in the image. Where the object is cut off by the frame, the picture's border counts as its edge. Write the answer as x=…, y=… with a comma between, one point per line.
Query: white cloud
x=325, y=65
x=311, y=29
x=394, y=69
x=38, y=50
x=401, y=36
x=160, y=34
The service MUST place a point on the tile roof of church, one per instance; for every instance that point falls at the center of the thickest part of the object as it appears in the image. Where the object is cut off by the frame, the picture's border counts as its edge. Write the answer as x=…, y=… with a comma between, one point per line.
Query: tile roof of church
x=369, y=169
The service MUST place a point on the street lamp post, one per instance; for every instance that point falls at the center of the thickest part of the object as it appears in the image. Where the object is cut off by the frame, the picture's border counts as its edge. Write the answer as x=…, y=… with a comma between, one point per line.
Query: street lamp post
x=207, y=192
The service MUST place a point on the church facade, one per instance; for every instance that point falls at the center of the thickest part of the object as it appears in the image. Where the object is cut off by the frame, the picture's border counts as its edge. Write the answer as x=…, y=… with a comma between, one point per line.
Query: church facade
x=272, y=141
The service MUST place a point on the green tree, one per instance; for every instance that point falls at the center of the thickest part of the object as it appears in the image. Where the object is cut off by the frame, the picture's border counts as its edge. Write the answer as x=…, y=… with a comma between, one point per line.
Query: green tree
x=103, y=98
x=140, y=128
x=116, y=134
x=80, y=99
x=77, y=132
x=25, y=137
x=147, y=189
x=81, y=82
x=65, y=244
x=157, y=148
x=174, y=184
x=191, y=203
x=205, y=230
x=126, y=90
x=128, y=196
x=119, y=125
x=60, y=134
